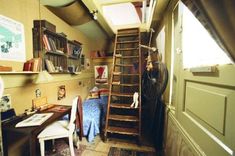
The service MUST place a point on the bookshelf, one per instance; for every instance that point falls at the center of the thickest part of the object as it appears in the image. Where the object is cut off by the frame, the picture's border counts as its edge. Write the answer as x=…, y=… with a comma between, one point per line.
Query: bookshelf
x=59, y=55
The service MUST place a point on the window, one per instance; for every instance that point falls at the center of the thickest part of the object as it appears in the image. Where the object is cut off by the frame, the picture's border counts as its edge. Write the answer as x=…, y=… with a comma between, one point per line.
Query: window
x=199, y=48
x=121, y=14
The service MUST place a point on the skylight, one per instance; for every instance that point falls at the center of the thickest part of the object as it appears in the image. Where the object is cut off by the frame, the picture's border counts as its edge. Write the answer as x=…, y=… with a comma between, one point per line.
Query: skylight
x=121, y=14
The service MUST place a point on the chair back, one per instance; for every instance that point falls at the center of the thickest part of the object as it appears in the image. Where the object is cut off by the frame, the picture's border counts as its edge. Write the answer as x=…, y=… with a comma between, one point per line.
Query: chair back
x=73, y=115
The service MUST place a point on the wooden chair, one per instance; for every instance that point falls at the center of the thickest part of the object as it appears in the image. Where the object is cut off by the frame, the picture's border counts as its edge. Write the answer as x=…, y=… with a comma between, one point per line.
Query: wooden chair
x=60, y=129
x=79, y=118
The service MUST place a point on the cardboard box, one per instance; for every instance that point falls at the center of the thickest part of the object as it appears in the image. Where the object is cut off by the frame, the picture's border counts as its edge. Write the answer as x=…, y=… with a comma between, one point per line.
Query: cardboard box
x=5, y=68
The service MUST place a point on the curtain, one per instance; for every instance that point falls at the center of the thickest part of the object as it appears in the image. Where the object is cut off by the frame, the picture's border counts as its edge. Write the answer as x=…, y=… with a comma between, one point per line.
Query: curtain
x=218, y=17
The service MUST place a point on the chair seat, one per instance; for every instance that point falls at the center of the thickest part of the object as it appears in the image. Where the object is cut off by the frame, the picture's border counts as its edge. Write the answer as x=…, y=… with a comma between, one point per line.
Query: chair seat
x=58, y=128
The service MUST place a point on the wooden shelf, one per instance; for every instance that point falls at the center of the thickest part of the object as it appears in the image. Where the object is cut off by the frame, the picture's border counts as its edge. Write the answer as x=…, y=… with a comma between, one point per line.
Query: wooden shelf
x=55, y=53
x=18, y=72
x=56, y=49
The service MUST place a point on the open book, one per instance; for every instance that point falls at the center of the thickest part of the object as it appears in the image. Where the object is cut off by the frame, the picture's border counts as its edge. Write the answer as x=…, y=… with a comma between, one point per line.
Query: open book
x=34, y=120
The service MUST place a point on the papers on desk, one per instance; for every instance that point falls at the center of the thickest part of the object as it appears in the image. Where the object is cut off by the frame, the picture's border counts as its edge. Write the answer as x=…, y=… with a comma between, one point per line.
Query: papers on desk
x=34, y=120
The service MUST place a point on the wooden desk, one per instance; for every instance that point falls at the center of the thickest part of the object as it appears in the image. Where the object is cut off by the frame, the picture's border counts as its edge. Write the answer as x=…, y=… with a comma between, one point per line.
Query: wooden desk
x=32, y=132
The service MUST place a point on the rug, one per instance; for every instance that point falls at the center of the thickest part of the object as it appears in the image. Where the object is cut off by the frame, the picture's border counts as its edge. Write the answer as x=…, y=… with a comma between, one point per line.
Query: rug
x=115, y=151
x=62, y=149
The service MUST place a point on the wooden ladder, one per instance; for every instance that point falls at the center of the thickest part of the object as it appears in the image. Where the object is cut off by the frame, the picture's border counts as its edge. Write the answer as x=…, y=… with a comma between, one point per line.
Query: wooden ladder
x=125, y=81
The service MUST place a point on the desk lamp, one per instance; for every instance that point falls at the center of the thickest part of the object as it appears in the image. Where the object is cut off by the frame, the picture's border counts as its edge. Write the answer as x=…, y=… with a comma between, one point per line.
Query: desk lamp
x=43, y=77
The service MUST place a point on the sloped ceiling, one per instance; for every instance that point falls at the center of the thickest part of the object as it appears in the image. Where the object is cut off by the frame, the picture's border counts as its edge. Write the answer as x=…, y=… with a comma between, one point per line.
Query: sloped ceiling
x=73, y=13
x=91, y=29
x=77, y=15
x=56, y=3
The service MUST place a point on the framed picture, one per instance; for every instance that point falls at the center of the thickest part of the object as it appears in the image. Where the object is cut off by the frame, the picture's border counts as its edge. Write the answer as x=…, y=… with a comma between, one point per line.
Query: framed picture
x=12, y=40
x=101, y=74
x=61, y=92
x=5, y=102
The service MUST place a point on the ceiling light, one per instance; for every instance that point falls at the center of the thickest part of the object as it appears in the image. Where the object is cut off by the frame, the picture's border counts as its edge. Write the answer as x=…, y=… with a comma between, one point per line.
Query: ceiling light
x=94, y=13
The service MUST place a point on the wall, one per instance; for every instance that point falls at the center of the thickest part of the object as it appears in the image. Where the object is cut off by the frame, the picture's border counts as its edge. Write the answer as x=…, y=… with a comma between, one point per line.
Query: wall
x=20, y=86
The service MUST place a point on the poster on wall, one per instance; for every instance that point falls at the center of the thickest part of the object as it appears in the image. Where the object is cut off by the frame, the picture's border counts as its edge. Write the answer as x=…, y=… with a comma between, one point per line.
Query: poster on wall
x=101, y=74
x=61, y=92
x=12, y=40
x=5, y=102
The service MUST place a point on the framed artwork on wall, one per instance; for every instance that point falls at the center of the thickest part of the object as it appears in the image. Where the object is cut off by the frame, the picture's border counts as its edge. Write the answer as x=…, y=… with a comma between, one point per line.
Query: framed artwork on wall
x=101, y=74
x=12, y=40
x=5, y=102
x=61, y=92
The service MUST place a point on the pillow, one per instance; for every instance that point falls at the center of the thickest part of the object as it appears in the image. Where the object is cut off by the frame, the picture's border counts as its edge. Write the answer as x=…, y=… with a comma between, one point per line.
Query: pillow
x=103, y=92
x=94, y=93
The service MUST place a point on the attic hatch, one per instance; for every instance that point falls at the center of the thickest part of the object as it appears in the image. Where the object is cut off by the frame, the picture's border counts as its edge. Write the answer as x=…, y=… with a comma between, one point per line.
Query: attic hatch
x=128, y=14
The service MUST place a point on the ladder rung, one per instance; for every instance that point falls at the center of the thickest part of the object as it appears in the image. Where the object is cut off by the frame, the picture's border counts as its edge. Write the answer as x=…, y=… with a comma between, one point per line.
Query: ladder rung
x=128, y=29
x=127, y=42
x=121, y=106
x=126, y=57
x=127, y=52
x=125, y=65
x=122, y=94
x=127, y=35
x=122, y=130
x=125, y=84
x=127, y=49
x=124, y=118
x=123, y=74
x=117, y=73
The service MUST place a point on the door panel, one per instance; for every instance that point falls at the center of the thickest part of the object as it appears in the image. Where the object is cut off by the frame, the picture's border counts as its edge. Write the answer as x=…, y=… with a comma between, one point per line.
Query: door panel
x=206, y=104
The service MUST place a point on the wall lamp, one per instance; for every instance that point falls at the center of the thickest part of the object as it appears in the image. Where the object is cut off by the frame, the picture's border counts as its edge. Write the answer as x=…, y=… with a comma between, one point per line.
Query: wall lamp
x=94, y=13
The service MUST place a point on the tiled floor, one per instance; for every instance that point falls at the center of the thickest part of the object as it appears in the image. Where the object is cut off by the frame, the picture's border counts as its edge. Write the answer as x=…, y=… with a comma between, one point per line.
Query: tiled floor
x=100, y=148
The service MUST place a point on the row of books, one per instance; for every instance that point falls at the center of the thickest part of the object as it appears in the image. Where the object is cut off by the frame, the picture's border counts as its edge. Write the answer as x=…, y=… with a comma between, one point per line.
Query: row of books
x=50, y=66
x=50, y=44
x=74, y=50
x=33, y=65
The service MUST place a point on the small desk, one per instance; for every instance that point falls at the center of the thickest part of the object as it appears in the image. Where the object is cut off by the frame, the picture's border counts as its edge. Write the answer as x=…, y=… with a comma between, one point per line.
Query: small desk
x=32, y=132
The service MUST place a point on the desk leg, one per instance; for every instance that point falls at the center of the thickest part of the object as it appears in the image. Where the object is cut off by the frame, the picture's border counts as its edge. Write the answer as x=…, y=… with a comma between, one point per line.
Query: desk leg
x=32, y=145
x=5, y=143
